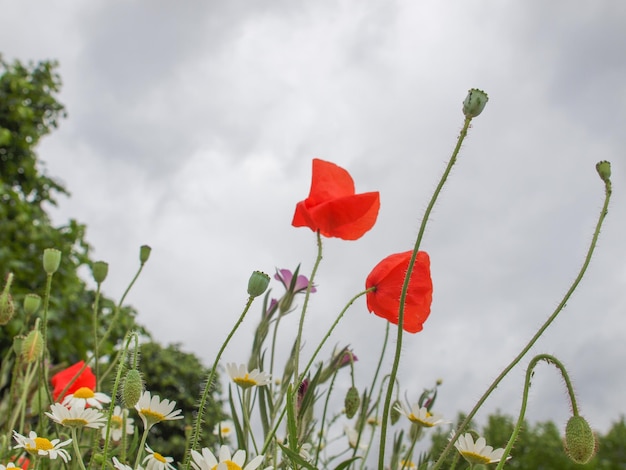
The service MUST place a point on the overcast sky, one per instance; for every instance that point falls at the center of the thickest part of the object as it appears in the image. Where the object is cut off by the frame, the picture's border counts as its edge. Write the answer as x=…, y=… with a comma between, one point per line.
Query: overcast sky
x=192, y=125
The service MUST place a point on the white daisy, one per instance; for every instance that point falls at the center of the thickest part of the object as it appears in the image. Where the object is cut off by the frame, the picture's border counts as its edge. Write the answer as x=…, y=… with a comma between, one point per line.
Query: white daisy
x=421, y=416
x=9, y=465
x=77, y=416
x=117, y=424
x=87, y=397
x=120, y=466
x=477, y=452
x=240, y=375
x=155, y=461
x=152, y=410
x=41, y=446
x=207, y=461
x=224, y=429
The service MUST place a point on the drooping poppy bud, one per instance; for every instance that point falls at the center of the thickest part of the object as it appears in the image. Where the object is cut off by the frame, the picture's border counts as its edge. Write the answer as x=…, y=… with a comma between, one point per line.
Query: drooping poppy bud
x=387, y=278
x=580, y=442
x=132, y=388
x=333, y=208
x=352, y=402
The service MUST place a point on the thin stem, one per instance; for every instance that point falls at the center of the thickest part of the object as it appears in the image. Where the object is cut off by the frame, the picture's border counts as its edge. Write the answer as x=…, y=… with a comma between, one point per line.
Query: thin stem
x=207, y=387
x=405, y=287
x=96, y=351
x=79, y=457
x=541, y=330
x=142, y=445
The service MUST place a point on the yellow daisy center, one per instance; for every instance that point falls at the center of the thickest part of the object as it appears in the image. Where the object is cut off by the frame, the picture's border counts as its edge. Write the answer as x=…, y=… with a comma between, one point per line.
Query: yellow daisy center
x=246, y=381
x=230, y=465
x=152, y=416
x=159, y=457
x=473, y=457
x=116, y=422
x=74, y=422
x=84, y=392
x=41, y=443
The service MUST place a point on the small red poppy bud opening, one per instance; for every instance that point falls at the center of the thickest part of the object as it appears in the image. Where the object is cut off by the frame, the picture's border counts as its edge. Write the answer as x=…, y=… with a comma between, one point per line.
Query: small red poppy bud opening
x=388, y=277
x=333, y=208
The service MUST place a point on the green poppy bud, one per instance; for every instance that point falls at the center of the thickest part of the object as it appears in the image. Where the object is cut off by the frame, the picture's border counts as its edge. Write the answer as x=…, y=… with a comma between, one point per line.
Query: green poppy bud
x=604, y=170
x=580, y=442
x=144, y=253
x=51, y=260
x=395, y=414
x=474, y=103
x=258, y=283
x=31, y=303
x=132, y=388
x=352, y=402
x=32, y=346
x=100, y=269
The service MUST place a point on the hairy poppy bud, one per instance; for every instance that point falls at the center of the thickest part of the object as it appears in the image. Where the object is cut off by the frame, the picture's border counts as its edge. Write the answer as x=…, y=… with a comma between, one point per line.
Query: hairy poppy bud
x=100, y=269
x=32, y=346
x=6, y=302
x=144, y=253
x=132, y=388
x=352, y=402
x=31, y=303
x=604, y=170
x=258, y=283
x=474, y=103
x=51, y=260
x=580, y=442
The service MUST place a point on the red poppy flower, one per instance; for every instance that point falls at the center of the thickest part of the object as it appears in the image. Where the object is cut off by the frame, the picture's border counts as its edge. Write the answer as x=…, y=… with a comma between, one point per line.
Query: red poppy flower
x=332, y=206
x=60, y=380
x=388, y=278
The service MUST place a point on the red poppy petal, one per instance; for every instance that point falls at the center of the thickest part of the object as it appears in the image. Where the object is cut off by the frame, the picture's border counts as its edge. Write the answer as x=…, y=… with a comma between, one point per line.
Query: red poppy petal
x=60, y=380
x=388, y=277
x=328, y=182
x=348, y=218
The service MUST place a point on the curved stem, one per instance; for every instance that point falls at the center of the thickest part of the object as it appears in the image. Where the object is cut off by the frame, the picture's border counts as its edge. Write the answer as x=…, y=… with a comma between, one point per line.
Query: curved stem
x=405, y=287
x=541, y=330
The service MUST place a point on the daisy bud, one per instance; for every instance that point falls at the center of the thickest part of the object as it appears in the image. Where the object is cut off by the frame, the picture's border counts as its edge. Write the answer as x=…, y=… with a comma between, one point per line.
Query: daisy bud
x=580, y=442
x=395, y=414
x=132, y=388
x=352, y=402
x=51, y=260
x=258, y=283
x=6, y=302
x=474, y=103
x=144, y=253
x=32, y=346
x=31, y=303
x=100, y=269
x=604, y=170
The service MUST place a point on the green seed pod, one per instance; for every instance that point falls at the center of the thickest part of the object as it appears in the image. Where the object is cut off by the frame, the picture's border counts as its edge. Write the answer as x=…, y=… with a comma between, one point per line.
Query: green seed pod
x=100, y=269
x=132, y=388
x=31, y=303
x=604, y=170
x=474, y=103
x=258, y=283
x=7, y=309
x=352, y=402
x=580, y=442
x=144, y=253
x=51, y=260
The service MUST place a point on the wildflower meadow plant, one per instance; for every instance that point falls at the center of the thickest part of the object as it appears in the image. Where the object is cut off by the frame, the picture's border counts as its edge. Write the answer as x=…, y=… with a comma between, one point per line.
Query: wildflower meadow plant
x=280, y=412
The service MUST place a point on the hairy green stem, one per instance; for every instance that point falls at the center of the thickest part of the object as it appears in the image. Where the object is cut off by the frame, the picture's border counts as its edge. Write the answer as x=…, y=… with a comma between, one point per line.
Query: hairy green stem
x=405, y=287
x=537, y=335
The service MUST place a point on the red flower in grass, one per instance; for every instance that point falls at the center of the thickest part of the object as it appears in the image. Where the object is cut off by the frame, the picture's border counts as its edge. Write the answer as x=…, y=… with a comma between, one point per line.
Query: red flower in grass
x=60, y=380
x=332, y=206
x=388, y=278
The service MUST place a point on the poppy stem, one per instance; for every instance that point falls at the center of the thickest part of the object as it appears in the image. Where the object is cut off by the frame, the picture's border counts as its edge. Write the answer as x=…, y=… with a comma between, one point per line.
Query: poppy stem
x=405, y=287
x=544, y=327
